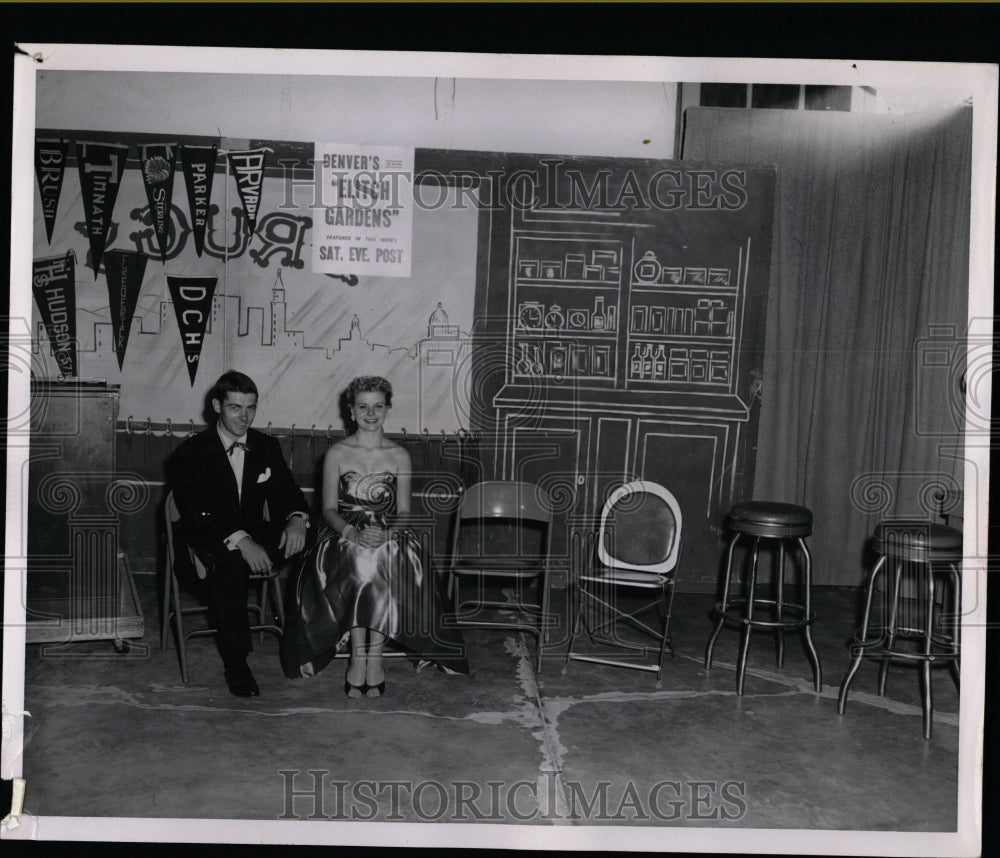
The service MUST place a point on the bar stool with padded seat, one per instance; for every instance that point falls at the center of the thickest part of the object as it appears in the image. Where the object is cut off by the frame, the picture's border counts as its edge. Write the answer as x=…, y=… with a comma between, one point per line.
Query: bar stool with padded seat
x=780, y=525
x=921, y=552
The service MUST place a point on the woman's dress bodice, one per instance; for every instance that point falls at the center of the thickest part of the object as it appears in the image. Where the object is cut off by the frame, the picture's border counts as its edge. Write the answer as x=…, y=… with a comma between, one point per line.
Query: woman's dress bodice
x=367, y=498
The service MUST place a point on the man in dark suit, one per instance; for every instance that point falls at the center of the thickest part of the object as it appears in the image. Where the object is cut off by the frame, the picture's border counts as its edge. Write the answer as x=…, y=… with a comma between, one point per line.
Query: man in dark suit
x=221, y=479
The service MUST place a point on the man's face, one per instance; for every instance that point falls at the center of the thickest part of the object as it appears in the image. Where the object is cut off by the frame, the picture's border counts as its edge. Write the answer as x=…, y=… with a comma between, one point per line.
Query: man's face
x=236, y=412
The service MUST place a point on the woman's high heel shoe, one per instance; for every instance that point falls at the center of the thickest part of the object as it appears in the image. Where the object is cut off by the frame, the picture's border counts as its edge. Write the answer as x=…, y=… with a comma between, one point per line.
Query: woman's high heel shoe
x=362, y=690
x=380, y=688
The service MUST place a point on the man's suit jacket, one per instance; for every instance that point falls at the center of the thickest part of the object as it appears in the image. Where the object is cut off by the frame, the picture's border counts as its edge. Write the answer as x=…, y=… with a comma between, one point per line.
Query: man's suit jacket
x=205, y=492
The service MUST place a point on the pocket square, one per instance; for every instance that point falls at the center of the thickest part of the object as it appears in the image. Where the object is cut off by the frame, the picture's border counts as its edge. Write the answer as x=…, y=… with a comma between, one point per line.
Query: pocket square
x=263, y=478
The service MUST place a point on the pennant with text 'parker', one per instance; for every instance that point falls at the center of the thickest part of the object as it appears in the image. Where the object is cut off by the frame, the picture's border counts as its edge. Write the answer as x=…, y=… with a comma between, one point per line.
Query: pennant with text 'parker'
x=198, y=164
x=124, y=270
x=101, y=166
x=158, y=161
x=248, y=167
x=53, y=283
x=192, y=297
x=50, y=164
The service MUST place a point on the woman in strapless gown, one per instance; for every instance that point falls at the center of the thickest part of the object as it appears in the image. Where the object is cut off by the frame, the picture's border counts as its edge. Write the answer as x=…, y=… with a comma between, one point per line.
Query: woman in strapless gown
x=367, y=577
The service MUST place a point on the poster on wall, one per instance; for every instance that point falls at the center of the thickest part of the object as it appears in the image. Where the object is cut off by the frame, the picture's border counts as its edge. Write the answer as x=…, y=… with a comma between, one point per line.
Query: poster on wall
x=364, y=210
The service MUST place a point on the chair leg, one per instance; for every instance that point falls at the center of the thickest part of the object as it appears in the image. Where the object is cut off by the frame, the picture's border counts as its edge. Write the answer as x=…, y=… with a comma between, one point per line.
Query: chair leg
x=168, y=574
x=741, y=665
x=723, y=605
x=863, y=635
x=543, y=620
x=179, y=629
x=807, y=629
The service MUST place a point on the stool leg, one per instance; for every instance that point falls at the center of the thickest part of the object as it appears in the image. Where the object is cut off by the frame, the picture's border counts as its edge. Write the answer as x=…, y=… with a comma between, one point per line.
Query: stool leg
x=807, y=629
x=956, y=593
x=883, y=669
x=723, y=605
x=925, y=664
x=741, y=665
x=780, y=604
x=859, y=644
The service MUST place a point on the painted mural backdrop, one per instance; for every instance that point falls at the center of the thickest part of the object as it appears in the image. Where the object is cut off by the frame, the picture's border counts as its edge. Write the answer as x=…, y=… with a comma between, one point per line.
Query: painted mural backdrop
x=160, y=266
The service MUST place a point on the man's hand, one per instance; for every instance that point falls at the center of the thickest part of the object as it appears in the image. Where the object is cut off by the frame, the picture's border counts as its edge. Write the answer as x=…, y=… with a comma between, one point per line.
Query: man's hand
x=255, y=555
x=293, y=538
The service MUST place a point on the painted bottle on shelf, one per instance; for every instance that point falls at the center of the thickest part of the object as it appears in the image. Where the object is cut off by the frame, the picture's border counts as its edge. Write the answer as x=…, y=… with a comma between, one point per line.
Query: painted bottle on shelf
x=612, y=316
x=597, y=320
x=646, y=370
x=659, y=364
x=635, y=363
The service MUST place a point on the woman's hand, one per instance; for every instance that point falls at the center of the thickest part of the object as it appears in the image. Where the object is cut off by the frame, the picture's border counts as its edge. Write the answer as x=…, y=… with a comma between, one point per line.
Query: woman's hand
x=372, y=536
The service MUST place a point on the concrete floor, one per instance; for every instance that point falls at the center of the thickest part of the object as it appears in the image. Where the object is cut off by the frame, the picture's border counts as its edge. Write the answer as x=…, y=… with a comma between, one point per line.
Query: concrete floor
x=593, y=746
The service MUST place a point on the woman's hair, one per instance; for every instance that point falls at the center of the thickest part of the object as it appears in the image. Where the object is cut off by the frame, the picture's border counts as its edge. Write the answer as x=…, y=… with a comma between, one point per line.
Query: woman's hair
x=369, y=384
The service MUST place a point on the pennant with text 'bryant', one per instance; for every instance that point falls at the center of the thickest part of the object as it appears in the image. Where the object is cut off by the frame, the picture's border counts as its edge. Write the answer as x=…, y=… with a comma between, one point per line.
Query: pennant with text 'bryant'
x=53, y=283
x=124, y=270
x=158, y=160
x=198, y=164
x=192, y=297
x=249, y=170
x=50, y=163
x=101, y=166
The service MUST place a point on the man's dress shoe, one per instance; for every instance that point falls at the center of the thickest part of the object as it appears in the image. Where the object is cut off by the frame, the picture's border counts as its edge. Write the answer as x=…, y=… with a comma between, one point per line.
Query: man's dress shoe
x=239, y=678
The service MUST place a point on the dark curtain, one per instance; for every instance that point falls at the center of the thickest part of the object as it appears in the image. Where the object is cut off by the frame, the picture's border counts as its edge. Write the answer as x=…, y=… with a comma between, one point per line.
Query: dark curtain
x=862, y=397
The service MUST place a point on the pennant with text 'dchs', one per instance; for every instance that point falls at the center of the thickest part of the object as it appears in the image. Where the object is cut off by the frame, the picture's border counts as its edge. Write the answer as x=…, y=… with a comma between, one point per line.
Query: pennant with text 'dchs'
x=192, y=299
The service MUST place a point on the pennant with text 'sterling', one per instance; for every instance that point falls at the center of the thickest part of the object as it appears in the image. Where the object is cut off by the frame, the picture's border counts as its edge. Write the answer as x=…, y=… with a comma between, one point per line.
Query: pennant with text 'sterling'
x=158, y=161
x=101, y=166
x=248, y=168
x=192, y=298
x=198, y=164
x=124, y=270
x=50, y=164
x=53, y=283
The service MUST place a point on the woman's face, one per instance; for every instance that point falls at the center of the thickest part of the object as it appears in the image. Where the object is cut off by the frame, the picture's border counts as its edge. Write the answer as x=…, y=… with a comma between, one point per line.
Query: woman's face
x=369, y=410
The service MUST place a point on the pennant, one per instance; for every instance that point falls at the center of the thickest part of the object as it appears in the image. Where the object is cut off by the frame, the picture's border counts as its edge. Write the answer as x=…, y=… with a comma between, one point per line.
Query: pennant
x=124, y=270
x=198, y=164
x=192, y=297
x=50, y=163
x=249, y=169
x=53, y=283
x=158, y=161
x=101, y=166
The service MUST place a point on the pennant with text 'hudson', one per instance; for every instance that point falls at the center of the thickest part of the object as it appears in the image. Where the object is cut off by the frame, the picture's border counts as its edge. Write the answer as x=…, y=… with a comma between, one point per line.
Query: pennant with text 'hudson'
x=192, y=298
x=50, y=164
x=248, y=167
x=53, y=283
x=124, y=270
x=198, y=165
x=101, y=166
x=158, y=161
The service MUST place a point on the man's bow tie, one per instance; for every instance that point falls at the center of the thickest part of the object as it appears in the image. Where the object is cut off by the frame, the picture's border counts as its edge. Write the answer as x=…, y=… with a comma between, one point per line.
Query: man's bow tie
x=236, y=444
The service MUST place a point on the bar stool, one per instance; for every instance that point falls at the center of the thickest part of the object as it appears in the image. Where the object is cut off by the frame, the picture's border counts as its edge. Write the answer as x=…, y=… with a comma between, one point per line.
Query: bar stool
x=921, y=552
x=781, y=525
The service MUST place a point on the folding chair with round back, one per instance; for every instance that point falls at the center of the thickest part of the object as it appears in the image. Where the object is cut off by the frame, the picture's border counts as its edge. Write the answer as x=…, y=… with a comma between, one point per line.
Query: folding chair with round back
x=638, y=544
x=524, y=507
